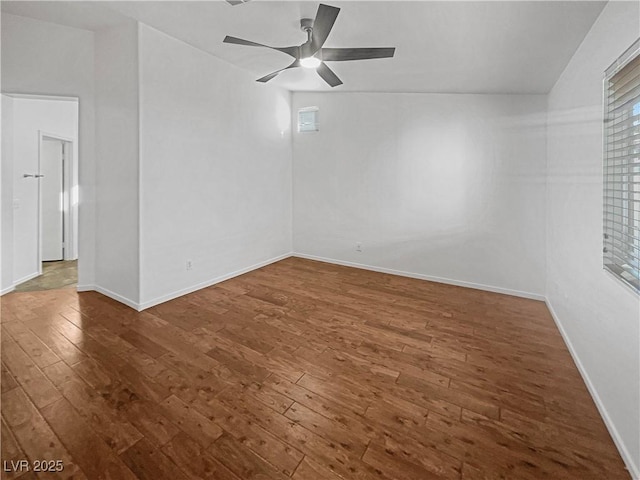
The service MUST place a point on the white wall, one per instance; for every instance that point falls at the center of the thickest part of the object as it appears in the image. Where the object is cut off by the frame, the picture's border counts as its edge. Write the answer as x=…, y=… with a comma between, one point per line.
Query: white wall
x=599, y=316
x=6, y=187
x=30, y=117
x=215, y=168
x=241, y=210
x=449, y=187
x=117, y=162
x=49, y=59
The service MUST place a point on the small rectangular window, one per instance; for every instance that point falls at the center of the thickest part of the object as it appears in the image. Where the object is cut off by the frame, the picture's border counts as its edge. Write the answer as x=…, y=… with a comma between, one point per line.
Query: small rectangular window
x=622, y=168
x=308, y=119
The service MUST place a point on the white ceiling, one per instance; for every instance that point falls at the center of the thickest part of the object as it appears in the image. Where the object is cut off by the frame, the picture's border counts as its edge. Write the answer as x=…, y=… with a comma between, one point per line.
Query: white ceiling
x=445, y=47
x=86, y=15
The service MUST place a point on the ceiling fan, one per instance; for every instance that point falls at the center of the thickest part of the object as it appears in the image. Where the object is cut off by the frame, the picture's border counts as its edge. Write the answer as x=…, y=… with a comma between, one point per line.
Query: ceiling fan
x=312, y=54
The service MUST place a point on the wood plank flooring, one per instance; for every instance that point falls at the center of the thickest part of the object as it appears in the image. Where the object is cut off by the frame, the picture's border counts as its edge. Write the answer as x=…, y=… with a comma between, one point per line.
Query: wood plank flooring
x=300, y=370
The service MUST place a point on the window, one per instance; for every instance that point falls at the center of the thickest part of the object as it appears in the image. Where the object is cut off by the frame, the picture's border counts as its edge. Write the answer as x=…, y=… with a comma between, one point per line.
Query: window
x=622, y=168
x=308, y=119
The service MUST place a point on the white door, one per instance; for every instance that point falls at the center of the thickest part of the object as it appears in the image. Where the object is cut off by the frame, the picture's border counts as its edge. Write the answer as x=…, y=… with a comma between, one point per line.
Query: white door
x=51, y=166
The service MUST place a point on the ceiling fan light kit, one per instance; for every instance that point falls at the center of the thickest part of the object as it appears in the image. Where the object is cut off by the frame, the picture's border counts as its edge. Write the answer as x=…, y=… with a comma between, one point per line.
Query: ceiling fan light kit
x=310, y=62
x=311, y=54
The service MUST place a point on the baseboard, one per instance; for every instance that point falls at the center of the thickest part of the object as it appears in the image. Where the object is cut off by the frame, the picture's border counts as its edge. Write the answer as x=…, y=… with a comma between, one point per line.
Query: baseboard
x=108, y=293
x=10, y=289
x=419, y=276
x=26, y=278
x=7, y=290
x=208, y=283
x=624, y=453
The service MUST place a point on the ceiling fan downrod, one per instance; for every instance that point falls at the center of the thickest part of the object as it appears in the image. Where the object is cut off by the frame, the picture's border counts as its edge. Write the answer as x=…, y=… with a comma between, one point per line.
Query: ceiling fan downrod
x=306, y=25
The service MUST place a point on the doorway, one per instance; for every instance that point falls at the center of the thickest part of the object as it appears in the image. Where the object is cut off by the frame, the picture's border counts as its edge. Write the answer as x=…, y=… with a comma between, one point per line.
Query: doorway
x=42, y=149
x=57, y=268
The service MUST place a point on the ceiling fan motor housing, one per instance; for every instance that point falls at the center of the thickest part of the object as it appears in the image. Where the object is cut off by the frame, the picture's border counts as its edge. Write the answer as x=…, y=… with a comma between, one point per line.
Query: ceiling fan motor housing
x=306, y=24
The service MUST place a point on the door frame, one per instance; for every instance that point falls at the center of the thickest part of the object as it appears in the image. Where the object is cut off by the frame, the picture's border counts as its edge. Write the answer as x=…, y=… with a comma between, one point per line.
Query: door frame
x=67, y=180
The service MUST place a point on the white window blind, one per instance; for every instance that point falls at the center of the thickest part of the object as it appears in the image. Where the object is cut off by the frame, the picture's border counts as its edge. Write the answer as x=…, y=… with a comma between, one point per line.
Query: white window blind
x=622, y=168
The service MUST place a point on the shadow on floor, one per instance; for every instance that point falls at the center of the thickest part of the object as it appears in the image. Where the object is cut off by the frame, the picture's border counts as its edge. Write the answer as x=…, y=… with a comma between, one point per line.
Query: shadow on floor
x=62, y=274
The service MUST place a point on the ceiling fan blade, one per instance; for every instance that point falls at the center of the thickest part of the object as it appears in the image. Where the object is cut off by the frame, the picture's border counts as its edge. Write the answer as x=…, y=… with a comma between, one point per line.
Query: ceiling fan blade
x=240, y=41
x=343, y=54
x=292, y=51
x=328, y=76
x=322, y=25
x=273, y=75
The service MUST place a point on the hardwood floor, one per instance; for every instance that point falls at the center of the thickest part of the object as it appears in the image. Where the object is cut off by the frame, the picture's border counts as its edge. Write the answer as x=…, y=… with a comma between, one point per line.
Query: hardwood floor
x=299, y=370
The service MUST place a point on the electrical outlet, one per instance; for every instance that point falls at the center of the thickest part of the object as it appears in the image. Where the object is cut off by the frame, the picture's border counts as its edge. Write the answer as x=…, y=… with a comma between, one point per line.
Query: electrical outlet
x=189, y=265
x=358, y=247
